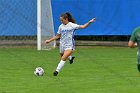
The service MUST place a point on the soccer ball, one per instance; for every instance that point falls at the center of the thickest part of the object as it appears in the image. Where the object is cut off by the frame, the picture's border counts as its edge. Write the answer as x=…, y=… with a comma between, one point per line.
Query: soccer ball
x=39, y=71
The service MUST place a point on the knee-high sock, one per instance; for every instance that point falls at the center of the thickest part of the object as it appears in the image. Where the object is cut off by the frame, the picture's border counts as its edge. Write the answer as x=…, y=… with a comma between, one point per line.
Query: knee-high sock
x=60, y=65
x=70, y=57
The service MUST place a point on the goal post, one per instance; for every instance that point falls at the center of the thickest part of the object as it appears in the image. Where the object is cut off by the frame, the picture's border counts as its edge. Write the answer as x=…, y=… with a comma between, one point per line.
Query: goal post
x=45, y=27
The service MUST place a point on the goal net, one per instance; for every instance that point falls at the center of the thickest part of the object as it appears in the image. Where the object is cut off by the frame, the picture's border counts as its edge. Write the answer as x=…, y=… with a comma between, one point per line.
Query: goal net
x=45, y=27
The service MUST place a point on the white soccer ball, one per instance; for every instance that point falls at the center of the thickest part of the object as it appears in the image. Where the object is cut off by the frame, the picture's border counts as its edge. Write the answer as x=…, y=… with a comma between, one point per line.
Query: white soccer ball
x=39, y=71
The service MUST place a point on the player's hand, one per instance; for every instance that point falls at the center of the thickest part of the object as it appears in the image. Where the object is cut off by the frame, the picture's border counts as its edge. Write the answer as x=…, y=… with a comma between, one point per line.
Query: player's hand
x=136, y=44
x=92, y=20
x=47, y=41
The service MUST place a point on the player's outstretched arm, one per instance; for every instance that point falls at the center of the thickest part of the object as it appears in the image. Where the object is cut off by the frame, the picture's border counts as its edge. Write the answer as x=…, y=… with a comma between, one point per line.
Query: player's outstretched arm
x=53, y=38
x=88, y=23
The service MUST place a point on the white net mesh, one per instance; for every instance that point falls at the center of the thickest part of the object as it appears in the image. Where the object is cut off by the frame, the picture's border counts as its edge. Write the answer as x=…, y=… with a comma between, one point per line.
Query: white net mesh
x=45, y=24
x=18, y=23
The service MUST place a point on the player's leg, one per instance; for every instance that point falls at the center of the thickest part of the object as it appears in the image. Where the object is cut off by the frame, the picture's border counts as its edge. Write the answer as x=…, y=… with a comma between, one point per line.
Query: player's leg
x=66, y=54
x=138, y=64
x=60, y=63
x=71, y=58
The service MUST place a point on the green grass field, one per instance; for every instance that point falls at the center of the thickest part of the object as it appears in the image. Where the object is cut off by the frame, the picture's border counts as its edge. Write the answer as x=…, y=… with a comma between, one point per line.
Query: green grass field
x=95, y=70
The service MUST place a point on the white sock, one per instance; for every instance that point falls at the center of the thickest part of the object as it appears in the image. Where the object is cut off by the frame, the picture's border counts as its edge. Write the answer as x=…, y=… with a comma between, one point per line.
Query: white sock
x=60, y=65
x=70, y=57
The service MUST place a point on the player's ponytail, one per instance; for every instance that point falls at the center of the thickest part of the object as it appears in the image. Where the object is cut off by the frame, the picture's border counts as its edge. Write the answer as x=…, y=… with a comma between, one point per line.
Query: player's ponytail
x=69, y=16
x=70, y=19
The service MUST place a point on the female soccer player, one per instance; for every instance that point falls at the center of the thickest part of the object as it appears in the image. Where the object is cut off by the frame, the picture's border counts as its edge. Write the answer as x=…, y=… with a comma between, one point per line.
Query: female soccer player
x=66, y=35
x=134, y=42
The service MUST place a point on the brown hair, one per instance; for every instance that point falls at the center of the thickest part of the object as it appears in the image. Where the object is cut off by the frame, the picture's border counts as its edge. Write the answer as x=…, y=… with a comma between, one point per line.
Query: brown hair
x=69, y=16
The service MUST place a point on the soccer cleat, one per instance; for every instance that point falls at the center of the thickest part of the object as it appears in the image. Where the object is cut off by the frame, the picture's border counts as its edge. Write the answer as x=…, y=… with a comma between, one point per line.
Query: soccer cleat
x=71, y=61
x=55, y=73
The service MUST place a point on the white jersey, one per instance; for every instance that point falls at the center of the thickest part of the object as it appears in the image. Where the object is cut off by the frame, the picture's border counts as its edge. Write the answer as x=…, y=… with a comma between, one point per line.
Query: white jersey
x=67, y=34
